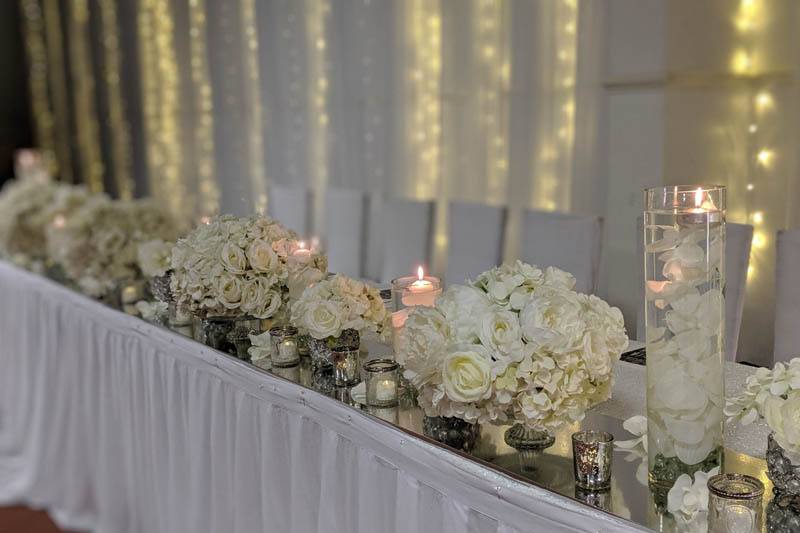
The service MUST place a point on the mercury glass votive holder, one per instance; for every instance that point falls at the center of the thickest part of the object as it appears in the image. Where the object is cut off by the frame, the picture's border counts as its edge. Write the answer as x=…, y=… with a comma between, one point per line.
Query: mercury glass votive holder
x=592, y=452
x=285, y=351
x=345, y=365
x=734, y=503
x=382, y=382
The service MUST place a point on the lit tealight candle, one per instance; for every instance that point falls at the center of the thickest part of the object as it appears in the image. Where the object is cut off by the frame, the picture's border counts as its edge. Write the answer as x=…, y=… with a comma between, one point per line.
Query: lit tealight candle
x=423, y=291
x=385, y=390
x=58, y=221
x=302, y=254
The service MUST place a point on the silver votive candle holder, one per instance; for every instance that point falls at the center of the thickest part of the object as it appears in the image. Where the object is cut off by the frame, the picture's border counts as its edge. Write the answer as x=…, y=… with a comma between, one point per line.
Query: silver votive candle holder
x=735, y=503
x=592, y=452
x=381, y=377
x=345, y=365
x=285, y=352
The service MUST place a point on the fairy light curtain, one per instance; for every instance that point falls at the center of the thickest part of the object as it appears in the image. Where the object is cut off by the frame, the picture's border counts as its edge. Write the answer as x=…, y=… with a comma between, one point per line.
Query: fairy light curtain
x=203, y=104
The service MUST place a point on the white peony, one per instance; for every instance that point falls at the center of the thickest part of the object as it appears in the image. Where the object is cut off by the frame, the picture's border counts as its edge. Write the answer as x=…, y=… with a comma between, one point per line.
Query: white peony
x=467, y=373
x=500, y=332
x=453, y=304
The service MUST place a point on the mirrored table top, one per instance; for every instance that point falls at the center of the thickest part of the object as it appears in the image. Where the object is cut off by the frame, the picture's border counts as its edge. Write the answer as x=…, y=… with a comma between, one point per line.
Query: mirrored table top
x=551, y=469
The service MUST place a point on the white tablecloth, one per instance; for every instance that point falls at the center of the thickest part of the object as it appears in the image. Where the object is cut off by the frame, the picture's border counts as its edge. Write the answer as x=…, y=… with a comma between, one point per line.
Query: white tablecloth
x=115, y=426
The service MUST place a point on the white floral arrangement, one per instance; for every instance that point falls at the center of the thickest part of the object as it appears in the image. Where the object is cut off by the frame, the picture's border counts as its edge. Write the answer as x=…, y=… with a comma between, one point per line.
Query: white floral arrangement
x=27, y=208
x=773, y=395
x=517, y=345
x=241, y=266
x=97, y=245
x=334, y=305
x=154, y=257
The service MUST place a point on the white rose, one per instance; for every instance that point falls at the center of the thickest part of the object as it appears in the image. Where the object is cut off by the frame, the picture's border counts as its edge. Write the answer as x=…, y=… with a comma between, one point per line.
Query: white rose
x=270, y=305
x=467, y=374
x=254, y=295
x=233, y=258
x=323, y=319
x=262, y=257
x=229, y=291
x=423, y=340
x=500, y=332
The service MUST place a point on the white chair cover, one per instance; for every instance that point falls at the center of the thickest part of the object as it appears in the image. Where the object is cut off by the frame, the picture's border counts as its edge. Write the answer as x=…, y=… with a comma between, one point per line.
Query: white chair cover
x=787, y=297
x=475, y=240
x=737, y=259
x=739, y=238
x=569, y=242
x=399, y=237
x=344, y=231
x=290, y=207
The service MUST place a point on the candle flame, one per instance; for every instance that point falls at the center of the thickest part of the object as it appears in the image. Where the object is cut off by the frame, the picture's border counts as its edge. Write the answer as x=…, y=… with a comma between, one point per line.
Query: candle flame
x=420, y=273
x=698, y=197
x=302, y=245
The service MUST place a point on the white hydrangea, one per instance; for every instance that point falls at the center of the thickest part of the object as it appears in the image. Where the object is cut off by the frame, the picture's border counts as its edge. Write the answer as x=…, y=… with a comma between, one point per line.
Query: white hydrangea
x=331, y=306
x=97, y=244
x=241, y=266
x=517, y=345
x=154, y=257
x=775, y=396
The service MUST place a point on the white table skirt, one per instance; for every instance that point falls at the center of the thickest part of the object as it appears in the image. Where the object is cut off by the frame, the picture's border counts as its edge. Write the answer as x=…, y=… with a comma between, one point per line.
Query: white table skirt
x=115, y=425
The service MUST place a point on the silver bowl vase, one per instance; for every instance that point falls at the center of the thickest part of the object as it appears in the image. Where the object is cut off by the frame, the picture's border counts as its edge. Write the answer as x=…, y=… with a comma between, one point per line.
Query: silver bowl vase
x=784, y=475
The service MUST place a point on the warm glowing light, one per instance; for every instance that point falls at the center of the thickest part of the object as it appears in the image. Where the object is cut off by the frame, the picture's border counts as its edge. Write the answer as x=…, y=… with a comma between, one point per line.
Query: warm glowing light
x=750, y=186
x=763, y=101
x=765, y=157
x=751, y=272
x=759, y=240
x=758, y=217
x=741, y=63
x=752, y=128
x=420, y=273
x=58, y=221
x=698, y=197
x=301, y=245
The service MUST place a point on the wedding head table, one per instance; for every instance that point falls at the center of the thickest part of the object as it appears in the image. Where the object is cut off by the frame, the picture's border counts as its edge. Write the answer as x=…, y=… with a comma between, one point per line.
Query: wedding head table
x=114, y=424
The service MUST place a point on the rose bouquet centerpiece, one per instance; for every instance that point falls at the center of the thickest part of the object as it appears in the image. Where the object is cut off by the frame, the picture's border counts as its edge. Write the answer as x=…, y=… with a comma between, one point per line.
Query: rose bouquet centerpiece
x=518, y=345
x=97, y=245
x=239, y=269
x=774, y=395
x=27, y=208
x=338, y=312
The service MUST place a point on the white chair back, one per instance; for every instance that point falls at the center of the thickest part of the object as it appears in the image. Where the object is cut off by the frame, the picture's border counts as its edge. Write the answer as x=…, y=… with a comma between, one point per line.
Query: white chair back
x=344, y=231
x=738, y=239
x=291, y=207
x=475, y=240
x=787, y=297
x=569, y=242
x=399, y=237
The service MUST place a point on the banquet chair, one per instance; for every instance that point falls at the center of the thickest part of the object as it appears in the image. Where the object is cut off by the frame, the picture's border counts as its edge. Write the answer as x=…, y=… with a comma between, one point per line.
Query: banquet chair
x=398, y=237
x=474, y=240
x=738, y=239
x=569, y=242
x=787, y=297
x=345, y=231
x=290, y=206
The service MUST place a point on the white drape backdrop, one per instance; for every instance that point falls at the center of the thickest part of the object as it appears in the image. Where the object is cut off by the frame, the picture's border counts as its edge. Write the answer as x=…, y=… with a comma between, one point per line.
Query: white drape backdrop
x=117, y=426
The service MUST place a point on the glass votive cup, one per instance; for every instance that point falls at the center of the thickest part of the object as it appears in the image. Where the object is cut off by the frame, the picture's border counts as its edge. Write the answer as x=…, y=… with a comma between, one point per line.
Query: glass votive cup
x=410, y=291
x=592, y=452
x=735, y=503
x=284, y=346
x=381, y=377
x=345, y=365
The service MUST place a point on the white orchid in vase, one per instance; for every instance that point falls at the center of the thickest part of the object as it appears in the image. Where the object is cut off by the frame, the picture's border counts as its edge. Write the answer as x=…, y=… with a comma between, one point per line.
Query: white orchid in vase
x=518, y=346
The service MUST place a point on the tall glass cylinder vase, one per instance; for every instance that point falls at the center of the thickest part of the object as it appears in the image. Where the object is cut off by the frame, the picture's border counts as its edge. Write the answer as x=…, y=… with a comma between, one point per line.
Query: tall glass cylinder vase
x=684, y=265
